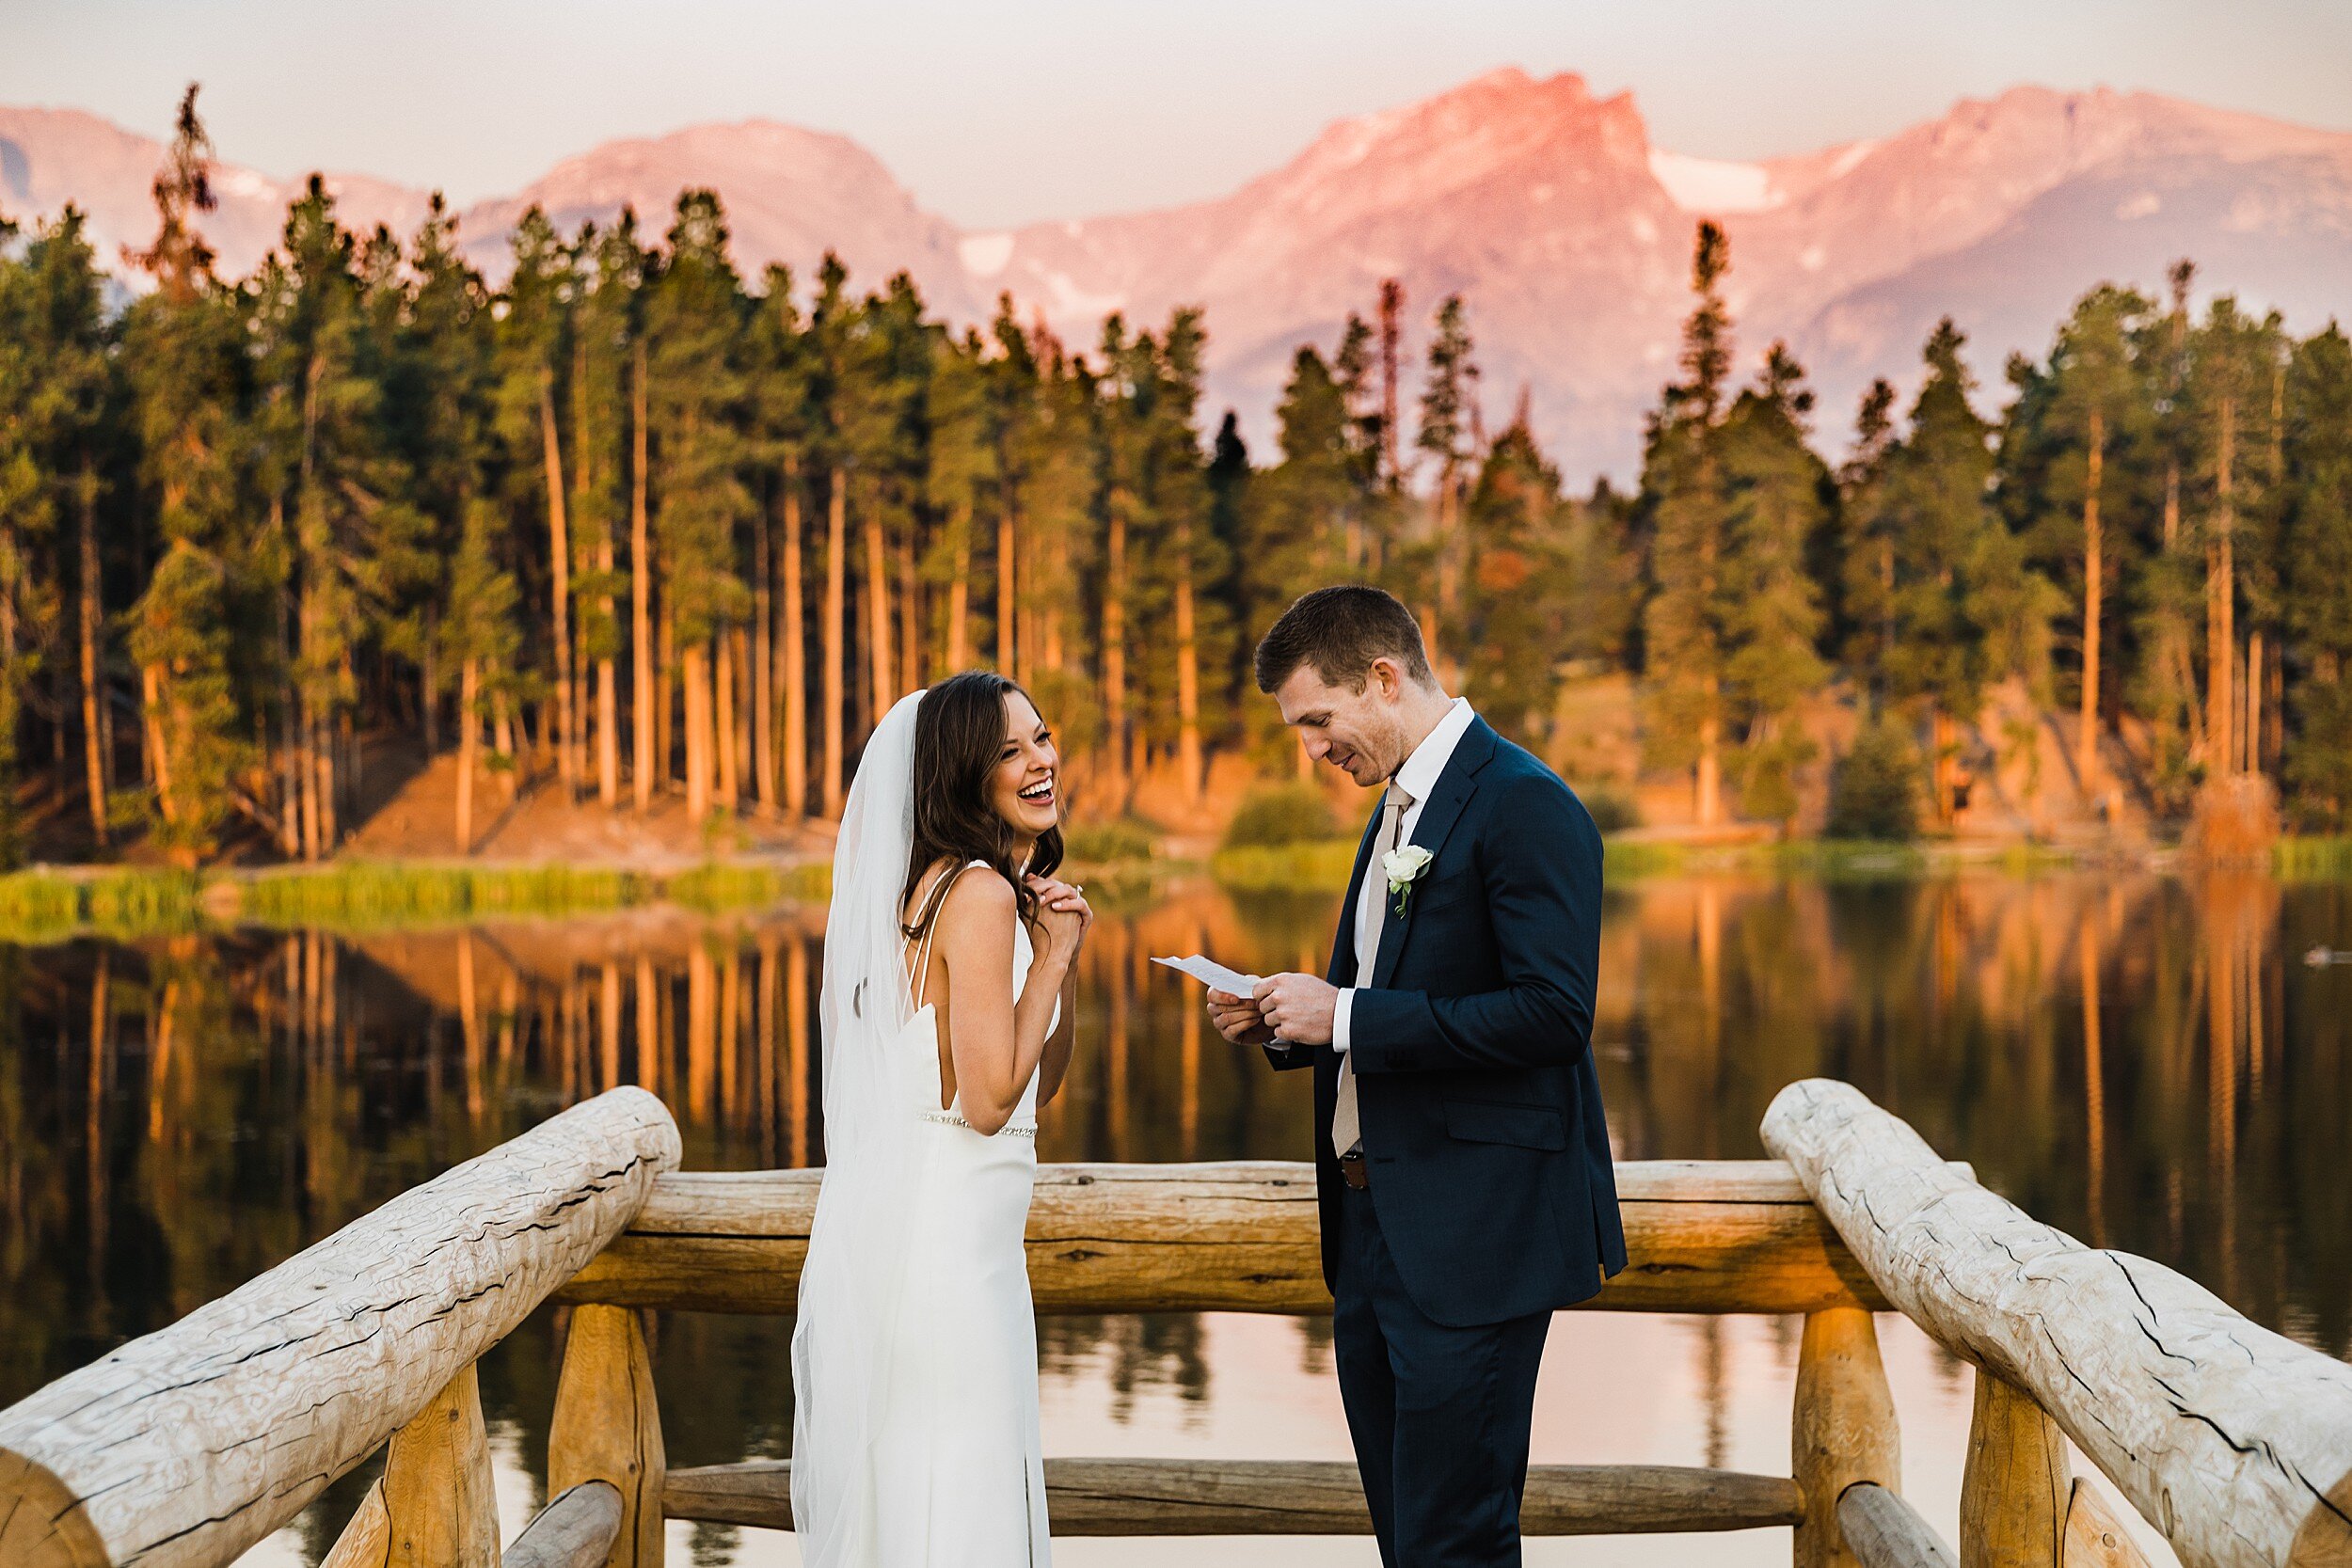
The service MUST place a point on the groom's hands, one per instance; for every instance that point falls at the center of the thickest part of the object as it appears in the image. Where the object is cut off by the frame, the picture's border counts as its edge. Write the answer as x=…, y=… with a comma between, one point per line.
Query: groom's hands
x=1238, y=1019
x=1298, y=1008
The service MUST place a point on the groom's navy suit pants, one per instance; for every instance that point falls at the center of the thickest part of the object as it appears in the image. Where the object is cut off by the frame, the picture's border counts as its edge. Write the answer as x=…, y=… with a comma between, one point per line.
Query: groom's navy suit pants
x=1447, y=1410
x=1491, y=1199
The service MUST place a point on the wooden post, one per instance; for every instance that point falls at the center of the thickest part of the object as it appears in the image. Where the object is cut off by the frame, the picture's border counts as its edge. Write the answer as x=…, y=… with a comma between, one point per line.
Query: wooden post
x=440, y=1506
x=607, y=1427
x=2013, y=1495
x=2095, y=1538
x=1843, y=1428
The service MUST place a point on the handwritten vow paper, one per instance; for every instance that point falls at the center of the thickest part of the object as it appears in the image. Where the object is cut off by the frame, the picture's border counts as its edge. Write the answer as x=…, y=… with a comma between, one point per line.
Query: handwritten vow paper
x=1213, y=974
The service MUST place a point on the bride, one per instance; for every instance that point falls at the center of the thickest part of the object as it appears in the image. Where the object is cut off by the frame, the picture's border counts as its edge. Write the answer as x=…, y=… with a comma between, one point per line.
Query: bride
x=915, y=1360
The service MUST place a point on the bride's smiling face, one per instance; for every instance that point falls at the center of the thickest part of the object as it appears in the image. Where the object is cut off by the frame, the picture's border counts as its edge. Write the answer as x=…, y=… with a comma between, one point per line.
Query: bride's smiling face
x=1024, y=786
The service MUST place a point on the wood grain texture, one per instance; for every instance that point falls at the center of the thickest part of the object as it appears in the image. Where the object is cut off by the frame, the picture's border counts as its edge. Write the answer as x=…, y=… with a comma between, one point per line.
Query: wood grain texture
x=440, y=1500
x=2234, y=1442
x=576, y=1530
x=608, y=1427
x=2015, y=1490
x=2096, y=1536
x=366, y=1535
x=1842, y=1428
x=1885, y=1531
x=188, y=1446
x=1173, y=1497
x=1732, y=1235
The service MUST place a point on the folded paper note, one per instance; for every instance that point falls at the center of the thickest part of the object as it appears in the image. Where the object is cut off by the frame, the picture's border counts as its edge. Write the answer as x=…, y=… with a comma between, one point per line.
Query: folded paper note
x=1213, y=974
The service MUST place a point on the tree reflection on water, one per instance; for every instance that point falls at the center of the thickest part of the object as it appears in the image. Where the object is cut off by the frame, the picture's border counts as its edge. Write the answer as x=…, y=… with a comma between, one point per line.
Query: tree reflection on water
x=2143, y=1060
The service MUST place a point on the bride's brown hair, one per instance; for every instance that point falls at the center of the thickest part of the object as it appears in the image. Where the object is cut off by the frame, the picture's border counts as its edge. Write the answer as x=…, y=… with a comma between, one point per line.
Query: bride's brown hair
x=959, y=738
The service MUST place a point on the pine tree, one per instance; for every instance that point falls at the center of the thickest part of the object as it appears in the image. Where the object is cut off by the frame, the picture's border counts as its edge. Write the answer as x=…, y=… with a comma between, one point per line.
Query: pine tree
x=1447, y=421
x=964, y=475
x=480, y=642
x=2317, y=548
x=1687, y=643
x=534, y=352
x=785, y=423
x=1513, y=623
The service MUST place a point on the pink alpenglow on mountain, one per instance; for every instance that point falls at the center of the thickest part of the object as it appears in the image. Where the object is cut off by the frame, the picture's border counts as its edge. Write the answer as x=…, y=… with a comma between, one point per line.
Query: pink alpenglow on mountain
x=1546, y=208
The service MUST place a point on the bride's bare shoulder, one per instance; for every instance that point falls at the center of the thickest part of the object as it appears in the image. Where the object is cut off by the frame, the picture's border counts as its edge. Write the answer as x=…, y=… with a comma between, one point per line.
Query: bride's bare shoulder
x=980, y=897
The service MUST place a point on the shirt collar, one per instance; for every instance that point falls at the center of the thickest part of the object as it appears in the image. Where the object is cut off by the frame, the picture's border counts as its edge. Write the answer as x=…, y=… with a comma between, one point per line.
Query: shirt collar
x=1419, y=774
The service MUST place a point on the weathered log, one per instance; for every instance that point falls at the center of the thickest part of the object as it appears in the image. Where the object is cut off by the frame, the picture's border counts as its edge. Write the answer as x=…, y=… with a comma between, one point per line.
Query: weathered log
x=2013, y=1493
x=1885, y=1531
x=1239, y=1237
x=1185, y=1496
x=440, y=1501
x=608, y=1427
x=576, y=1530
x=183, y=1448
x=2235, y=1442
x=2096, y=1537
x=1842, y=1428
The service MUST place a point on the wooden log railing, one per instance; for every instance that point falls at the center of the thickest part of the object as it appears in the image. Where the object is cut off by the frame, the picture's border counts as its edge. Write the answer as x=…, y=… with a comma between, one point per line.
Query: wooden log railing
x=2233, y=1442
x=181, y=1449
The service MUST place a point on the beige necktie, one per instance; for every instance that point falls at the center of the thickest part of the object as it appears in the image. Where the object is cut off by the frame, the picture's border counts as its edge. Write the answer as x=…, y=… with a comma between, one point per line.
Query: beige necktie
x=1346, y=1134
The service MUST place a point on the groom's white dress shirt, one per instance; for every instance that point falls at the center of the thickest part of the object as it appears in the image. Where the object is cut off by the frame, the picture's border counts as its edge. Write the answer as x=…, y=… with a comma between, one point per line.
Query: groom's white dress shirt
x=1417, y=778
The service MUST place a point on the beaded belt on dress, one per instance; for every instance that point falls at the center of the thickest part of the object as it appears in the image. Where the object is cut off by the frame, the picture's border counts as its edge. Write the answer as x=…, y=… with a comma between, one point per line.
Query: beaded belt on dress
x=955, y=1118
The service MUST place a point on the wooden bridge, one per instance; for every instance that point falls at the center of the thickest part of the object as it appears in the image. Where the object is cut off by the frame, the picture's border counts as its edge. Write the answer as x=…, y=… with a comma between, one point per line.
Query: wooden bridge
x=185, y=1448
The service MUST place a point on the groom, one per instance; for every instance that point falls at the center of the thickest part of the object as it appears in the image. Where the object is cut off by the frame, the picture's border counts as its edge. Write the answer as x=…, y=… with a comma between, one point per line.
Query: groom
x=1461, y=1160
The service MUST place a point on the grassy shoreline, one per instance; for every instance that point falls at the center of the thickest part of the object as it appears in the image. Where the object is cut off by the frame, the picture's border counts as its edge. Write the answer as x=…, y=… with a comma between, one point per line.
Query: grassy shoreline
x=49, y=904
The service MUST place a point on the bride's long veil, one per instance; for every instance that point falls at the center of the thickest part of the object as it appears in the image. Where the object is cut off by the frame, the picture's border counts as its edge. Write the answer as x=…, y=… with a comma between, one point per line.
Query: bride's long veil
x=850, y=1289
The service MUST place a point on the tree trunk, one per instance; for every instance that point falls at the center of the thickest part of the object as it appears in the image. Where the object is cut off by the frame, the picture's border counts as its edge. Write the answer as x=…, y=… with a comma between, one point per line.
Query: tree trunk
x=502, y=743
x=93, y=693
x=959, y=590
x=1006, y=538
x=2094, y=559
x=1710, y=781
x=429, y=681
x=640, y=601
x=761, y=663
x=696, y=666
x=913, y=635
x=1187, y=670
x=665, y=695
x=740, y=710
x=560, y=562
x=723, y=717
x=1115, y=654
x=792, y=653
x=468, y=742
x=879, y=661
x=2221, y=607
x=159, y=757
x=836, y=630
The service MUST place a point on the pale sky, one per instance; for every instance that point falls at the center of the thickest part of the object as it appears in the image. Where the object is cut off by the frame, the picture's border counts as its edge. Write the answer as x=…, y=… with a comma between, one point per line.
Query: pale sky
x=996, y=114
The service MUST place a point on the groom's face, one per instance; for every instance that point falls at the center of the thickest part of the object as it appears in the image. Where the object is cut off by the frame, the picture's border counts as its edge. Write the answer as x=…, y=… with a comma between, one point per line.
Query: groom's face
x=1360, y=732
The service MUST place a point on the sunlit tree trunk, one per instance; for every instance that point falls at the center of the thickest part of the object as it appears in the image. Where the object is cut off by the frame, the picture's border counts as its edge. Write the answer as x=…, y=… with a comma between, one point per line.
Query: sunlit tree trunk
x=761, y=666
x=722, y=718
x=469, y=740
x=913, y=636
x=879, y=661
x=2221, y=607
x=2254, y=702
x=93, y=693
x=695, y=667
x=1114, y=652
x=959, y=590
x=792, y=652
x=1006, y=541
x=2094, y=561
x=641, y=600
x=560, y=564
x=665, y=694
x=836, y=631
x=1187, y=669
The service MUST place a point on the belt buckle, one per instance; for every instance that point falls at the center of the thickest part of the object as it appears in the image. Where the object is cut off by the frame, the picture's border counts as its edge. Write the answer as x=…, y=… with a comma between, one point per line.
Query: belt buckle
x=1352, y=1171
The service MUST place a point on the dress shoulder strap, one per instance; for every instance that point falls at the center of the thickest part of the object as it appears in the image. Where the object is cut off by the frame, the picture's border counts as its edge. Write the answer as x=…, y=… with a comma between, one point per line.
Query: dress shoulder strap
x=928, y=927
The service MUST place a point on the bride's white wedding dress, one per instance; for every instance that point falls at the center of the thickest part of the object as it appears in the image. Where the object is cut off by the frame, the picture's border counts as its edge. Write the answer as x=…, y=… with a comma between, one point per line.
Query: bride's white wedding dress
x=915, y=1439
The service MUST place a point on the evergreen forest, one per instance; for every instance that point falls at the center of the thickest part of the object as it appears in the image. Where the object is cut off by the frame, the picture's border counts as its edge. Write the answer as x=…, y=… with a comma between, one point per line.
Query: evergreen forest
x=635, y=526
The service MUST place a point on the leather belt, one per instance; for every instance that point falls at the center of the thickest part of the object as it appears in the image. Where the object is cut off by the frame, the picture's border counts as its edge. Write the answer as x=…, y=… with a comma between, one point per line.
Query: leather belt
x=1353, y=1171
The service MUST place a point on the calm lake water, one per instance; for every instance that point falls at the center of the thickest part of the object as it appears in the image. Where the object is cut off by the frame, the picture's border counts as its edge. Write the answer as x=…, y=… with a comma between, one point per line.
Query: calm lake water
x=2146, y=1061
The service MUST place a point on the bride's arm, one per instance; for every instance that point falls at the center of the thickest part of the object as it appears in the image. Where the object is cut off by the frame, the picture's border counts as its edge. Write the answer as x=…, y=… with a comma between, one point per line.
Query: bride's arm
x=995, y=1043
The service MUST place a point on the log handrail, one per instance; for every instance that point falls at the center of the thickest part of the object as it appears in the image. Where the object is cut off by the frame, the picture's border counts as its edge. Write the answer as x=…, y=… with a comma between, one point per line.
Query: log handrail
x=2234, y=1442
x=1227, y=1496
x=1885, y=1531
x=183, y=1448
x=575, y=1530
x=1238, y=1236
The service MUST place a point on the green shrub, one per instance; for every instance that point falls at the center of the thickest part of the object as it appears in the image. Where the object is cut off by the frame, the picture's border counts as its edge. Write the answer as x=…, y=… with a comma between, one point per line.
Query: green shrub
x=1613, y=810
x=716, y=886
x=1276, y=815
x=1874, y=792
x=1108, y=843
x=1323, y=866
x=2300, y=858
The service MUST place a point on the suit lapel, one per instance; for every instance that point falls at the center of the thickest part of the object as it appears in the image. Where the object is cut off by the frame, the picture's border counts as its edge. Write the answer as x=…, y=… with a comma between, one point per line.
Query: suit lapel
x=1454, y=787
x=1342, y=971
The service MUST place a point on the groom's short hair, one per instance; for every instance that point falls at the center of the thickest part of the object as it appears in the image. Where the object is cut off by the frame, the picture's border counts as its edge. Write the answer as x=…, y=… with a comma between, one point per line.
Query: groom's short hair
x=1340, y=631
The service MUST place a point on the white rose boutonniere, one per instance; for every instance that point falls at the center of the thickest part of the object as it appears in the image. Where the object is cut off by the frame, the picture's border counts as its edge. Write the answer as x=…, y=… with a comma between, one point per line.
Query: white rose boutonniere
x=1402, y=867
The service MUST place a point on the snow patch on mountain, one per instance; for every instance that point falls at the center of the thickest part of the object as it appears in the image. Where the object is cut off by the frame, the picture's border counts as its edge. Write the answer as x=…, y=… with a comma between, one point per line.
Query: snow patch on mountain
x=1712, y=186
x=985, y=255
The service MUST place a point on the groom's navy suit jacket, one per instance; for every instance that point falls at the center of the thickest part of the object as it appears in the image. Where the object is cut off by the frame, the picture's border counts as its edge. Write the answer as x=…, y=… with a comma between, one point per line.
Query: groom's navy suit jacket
x=1489, y=1162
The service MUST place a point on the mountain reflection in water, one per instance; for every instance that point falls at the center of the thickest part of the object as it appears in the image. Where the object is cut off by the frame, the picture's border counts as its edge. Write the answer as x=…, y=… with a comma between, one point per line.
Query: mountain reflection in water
x=2145, y=1061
